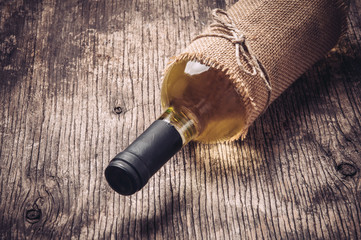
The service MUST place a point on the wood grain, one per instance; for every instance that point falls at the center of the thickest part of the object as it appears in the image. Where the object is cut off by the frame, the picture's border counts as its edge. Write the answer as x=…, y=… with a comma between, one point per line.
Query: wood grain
x=79, y=80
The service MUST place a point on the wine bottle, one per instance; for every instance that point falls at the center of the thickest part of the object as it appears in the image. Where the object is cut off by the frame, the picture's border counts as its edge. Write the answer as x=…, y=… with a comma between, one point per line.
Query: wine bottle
x=228, y=76
x=200, y=104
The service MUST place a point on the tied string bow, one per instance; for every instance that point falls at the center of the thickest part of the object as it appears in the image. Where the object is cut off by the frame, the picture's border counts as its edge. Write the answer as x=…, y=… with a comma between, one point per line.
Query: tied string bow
x=224, y=27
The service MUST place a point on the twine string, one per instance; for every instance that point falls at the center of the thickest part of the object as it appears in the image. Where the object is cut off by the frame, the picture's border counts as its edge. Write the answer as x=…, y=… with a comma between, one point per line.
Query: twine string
x=224, y=27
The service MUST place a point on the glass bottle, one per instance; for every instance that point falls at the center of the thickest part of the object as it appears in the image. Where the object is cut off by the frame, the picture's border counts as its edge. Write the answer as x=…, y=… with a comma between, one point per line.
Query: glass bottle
x=200, y=104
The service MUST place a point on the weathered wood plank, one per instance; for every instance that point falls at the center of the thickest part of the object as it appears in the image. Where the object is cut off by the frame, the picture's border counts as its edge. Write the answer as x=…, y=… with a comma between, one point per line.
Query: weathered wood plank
x=80, y=80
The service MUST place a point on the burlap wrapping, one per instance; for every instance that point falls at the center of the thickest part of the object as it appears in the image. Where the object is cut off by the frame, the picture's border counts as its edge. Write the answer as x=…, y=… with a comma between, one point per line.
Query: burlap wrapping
x=286, y=37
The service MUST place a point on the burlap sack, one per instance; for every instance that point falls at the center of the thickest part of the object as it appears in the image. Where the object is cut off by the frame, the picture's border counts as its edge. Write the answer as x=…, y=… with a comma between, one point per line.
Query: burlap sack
x=265, y=45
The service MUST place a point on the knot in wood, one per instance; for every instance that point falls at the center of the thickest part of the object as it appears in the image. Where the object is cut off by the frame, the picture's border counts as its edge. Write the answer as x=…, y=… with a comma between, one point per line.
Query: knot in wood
x=33, y=215
x=118, y=110
x=347, y=169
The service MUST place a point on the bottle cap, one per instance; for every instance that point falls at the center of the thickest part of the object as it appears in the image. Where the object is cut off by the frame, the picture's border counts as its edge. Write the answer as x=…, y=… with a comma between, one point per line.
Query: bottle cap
x=131, y=169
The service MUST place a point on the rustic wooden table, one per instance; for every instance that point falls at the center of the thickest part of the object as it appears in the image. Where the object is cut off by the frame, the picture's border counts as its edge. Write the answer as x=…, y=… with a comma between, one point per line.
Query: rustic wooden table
x=79, y=80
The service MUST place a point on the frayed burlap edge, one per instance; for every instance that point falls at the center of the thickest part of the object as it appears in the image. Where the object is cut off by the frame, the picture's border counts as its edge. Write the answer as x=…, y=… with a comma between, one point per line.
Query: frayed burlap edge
x=232, y=76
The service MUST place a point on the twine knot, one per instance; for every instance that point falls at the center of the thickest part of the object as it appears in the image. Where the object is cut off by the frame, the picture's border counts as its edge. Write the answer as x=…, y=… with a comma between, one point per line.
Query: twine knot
x=224, y=27
x=239, y=40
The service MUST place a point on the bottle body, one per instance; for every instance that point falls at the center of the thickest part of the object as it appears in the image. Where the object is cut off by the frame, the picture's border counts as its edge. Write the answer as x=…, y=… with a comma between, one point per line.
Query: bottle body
x=206, y=96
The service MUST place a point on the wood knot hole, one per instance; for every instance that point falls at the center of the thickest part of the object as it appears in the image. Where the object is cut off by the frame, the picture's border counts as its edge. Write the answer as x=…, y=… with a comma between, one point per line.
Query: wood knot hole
x=118, y=110
x=347, y=169
x=33, y=215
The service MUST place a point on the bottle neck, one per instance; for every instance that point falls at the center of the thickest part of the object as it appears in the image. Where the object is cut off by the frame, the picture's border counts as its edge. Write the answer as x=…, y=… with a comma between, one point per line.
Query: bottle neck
x=185, y=126
x=131, y=169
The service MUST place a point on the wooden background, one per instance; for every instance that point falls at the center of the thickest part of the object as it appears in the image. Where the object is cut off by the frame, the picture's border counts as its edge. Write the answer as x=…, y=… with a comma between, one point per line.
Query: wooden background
x=79, y=80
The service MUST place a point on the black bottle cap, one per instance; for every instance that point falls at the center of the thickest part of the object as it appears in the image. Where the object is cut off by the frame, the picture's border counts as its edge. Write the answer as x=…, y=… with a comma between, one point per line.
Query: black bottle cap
x=131, y=169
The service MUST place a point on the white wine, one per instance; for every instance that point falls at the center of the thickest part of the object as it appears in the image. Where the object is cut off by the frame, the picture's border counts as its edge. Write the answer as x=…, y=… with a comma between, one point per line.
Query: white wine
x=207, y=97
x=200, y=104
